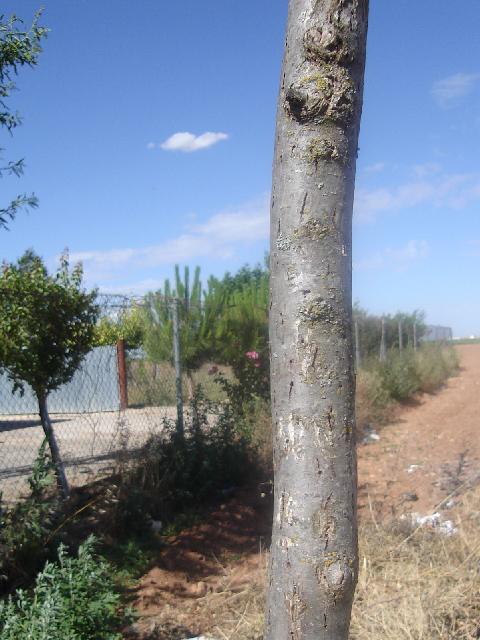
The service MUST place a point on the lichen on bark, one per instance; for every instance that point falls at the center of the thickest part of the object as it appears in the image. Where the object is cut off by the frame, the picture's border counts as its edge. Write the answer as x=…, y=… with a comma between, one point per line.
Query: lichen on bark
x=326, y=149
x=325, y=93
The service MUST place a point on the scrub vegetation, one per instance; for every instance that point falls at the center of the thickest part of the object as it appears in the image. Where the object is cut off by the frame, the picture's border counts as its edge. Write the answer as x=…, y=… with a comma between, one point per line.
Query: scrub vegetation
x=172, y=481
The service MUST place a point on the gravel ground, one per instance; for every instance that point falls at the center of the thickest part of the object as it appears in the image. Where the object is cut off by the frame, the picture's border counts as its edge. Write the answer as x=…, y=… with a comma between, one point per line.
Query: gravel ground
x=88, y=442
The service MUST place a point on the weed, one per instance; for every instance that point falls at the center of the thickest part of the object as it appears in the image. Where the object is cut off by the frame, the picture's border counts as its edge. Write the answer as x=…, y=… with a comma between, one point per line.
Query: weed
x=25, y=526
x=72, y=598
x=424, y=588
x=179, y=474
x=434, y=365
x=373, y=402
x=399, y=374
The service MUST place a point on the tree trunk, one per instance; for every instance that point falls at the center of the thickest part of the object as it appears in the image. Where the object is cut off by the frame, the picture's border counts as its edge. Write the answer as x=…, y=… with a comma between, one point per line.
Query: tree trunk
x=190, y=384
x=62, y=481
x=193, y=405
x=314, y=559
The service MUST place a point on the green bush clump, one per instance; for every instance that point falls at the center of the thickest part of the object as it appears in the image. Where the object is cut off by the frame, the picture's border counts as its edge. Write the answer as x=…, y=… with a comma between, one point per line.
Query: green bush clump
x=406, y=372
x=434, y=365
x=399, y=378
x=372, y=398
x=25, y=526
x=399, y=374
x=73, y=599
x=181, y=472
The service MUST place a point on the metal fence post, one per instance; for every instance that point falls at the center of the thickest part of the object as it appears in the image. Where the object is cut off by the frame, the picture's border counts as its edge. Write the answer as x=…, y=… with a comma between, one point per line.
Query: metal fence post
x=122, y=374
x=178, y=366
x=400, y=336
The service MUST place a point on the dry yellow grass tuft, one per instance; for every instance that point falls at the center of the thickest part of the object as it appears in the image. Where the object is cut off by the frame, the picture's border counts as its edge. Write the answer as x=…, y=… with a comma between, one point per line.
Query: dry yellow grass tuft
x=426, y=587
x=423, y=588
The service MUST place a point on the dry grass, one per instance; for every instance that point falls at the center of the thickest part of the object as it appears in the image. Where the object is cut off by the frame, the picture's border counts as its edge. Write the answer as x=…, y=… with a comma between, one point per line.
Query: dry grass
x=423, y=588
x=373, y=405
x=151, y=384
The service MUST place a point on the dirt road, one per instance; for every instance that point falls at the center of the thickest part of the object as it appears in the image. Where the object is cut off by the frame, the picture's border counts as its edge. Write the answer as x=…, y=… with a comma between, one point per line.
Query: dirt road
x=430, y=450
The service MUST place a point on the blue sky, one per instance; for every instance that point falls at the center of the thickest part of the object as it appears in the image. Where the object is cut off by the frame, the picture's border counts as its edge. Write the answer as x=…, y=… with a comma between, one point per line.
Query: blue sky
x=148, y=138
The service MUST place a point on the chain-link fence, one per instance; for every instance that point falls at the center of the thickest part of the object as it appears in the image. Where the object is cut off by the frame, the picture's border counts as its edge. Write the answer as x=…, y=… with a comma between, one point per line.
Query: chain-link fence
x=116, y=400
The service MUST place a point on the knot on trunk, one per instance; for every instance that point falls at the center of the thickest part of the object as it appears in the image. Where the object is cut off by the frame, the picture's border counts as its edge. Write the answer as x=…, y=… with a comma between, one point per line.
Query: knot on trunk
x=326, y=94
x=337, y=576
x=327, y=44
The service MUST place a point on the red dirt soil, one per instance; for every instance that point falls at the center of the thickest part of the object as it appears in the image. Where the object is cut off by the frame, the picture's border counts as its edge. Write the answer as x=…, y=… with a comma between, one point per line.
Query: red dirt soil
x=432, y=448
x=431, y=451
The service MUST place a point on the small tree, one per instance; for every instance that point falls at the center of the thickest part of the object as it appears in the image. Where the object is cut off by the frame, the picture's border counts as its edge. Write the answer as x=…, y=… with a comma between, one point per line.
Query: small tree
x=47, y=325
x=126, y=326
x=19, y=47
x=198, y=314
x=242, y=332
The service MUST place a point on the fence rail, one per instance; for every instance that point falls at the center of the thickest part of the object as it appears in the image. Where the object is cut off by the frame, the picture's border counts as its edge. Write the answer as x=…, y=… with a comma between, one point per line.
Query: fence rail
x=120, y=397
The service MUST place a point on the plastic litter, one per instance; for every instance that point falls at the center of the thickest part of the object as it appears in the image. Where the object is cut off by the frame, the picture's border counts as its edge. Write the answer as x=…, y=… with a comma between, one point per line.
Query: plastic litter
x=436, y=522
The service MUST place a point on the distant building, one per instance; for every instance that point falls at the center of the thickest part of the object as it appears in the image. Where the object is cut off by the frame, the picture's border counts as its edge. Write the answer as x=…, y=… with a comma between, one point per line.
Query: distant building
x=434, y=333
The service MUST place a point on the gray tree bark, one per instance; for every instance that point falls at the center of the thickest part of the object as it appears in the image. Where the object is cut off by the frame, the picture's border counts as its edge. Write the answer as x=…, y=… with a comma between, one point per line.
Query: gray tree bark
x=314, y=560
x=62, y=481
x=358, y=352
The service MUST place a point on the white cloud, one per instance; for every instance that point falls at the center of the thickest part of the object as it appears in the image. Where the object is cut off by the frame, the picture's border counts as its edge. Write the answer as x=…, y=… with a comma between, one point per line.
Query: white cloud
x=375, y=168
x=113, y=258
x=137, y=288
x=188, y=142
x=427, y=169
x=221, y=236
x=454, y=191
x=151, y=145
x=241, y=226
x=398, y=259
x=449, y=91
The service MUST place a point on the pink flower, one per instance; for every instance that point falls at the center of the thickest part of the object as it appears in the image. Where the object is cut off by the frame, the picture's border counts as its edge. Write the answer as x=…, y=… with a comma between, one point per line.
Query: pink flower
x=252, y=355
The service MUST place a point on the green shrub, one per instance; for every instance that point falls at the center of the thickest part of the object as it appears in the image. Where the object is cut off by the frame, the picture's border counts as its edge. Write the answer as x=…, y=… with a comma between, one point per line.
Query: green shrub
x=177, y=473
x=73, y=599
x=399, y=374
x=450, y=355
x=372, y=398
x=25, y=526
x=434, y=364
